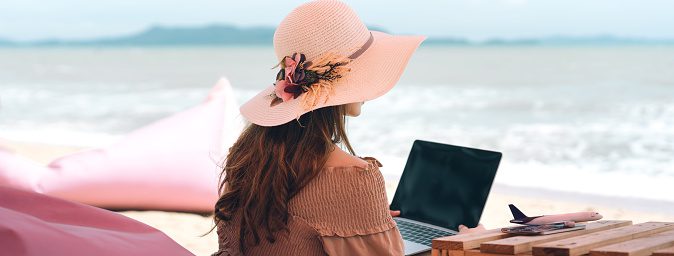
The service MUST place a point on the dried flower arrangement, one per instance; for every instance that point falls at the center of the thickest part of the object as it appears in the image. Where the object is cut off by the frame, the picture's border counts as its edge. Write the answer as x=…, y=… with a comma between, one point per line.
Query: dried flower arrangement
x=312, y=79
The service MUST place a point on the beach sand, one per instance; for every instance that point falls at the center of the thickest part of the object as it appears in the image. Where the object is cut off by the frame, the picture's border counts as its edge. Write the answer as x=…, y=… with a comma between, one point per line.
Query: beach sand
x=187, y=228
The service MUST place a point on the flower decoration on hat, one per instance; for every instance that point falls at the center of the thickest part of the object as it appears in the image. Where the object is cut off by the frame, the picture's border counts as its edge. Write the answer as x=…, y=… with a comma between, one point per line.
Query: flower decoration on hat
x=310, y=80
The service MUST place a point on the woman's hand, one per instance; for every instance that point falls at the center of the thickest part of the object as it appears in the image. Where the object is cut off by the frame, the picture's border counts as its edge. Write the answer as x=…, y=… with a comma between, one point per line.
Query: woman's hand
x=462, y=228
x=395, y=213
x=466, y=230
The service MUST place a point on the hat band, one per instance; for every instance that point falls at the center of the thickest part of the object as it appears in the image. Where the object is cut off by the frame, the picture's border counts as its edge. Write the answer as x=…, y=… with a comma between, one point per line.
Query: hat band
x=362, y=48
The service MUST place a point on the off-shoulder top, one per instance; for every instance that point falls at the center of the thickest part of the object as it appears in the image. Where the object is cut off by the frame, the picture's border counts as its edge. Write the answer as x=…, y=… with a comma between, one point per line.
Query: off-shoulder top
x=343, y=211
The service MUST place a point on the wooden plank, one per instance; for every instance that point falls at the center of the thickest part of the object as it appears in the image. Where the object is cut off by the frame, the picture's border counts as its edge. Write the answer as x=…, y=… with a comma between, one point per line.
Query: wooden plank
x=523, y=244
x=664, y=252
x=455, y=253
x=477, y=252
x=583, y=244
x=468, y=241
x=435, y=252
x=638, y=247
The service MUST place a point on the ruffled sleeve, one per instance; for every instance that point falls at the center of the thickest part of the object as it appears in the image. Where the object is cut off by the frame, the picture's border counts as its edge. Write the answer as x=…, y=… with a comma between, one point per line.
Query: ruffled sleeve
x=383, y=243
x=348, y=208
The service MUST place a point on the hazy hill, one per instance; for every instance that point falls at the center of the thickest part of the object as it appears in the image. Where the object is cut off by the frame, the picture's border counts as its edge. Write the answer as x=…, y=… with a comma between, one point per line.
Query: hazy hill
x=223, y=35
x=175, y=36
x=566, y=40
x=5, y=42
x=159, y=35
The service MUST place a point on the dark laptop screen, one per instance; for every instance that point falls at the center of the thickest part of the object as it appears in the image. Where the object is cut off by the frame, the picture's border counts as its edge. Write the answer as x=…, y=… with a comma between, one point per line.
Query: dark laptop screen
x=445, y=185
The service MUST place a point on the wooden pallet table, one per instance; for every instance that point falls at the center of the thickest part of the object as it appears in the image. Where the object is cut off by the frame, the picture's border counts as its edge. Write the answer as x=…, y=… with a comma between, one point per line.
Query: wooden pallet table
x=600, y=238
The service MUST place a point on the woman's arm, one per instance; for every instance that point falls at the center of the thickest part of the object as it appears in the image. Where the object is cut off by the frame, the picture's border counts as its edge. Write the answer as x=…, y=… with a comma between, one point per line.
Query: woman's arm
x=383, y=243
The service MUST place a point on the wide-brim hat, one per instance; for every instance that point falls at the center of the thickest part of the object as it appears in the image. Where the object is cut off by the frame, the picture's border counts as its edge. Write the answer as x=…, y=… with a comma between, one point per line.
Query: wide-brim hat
x=327, y=26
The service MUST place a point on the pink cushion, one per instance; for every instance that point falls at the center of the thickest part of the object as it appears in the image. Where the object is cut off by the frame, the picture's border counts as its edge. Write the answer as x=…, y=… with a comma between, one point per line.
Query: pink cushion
x=35, y=224
x=171, y=164
x=20, y=172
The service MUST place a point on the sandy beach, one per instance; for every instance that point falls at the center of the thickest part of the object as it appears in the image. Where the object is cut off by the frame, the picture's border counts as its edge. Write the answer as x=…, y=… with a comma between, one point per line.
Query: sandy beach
x=187, y=229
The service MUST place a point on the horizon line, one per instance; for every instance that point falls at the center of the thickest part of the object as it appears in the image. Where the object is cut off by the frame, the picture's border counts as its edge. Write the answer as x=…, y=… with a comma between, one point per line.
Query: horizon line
x=454, y=38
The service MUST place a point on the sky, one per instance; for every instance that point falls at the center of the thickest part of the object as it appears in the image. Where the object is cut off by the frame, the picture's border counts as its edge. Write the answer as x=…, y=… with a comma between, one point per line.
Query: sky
x=473, y=19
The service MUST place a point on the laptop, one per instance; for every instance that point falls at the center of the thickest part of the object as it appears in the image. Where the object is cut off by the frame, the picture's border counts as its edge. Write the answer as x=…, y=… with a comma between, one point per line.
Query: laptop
x=442, y=186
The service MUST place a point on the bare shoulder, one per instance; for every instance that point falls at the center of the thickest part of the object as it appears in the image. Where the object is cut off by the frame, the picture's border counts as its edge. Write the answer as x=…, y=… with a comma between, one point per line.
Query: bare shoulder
x=339, y=157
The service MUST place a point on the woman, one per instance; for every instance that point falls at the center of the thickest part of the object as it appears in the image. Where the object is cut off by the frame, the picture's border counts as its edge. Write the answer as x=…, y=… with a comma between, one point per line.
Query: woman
x=288, y=189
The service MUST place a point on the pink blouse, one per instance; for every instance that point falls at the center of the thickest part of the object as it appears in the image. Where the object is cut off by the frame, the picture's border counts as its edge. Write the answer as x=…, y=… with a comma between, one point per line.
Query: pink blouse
x=343, y=211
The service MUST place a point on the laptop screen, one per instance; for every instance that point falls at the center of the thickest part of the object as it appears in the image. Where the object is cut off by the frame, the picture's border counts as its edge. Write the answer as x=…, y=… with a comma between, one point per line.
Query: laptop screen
x=445, y=185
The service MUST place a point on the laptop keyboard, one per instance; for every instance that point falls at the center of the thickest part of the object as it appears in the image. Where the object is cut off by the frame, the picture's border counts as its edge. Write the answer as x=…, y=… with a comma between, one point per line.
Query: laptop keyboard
x=419, y=233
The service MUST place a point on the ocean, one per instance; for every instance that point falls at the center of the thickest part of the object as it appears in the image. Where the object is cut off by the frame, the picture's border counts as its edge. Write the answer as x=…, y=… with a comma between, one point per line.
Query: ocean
x=582, y=119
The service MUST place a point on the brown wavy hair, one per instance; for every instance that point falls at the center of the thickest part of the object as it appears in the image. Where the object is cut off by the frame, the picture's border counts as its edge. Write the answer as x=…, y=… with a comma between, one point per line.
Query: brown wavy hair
x=267, y=166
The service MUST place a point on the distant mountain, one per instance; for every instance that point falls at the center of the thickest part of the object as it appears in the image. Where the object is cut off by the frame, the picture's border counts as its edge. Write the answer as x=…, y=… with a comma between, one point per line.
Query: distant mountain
x=175, y=36
x=446, y=41
x=565, y=40
x=223, y=35
x=170, y=36
x=5, y=42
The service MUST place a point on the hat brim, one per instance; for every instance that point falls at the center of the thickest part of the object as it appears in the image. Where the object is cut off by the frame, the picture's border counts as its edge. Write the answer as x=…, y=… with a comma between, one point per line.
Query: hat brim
x=372, y=74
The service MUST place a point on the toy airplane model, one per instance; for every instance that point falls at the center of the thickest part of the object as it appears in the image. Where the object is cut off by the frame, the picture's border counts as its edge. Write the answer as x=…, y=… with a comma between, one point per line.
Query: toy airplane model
x=564, y=220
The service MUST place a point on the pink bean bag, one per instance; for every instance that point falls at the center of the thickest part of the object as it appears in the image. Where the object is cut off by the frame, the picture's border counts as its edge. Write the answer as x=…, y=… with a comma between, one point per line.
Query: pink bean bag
x=171, y=164
x=35, y=224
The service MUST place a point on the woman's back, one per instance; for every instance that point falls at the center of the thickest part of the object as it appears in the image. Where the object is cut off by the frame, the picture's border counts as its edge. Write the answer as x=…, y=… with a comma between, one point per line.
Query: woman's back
x=277, y=196
x=342, y=211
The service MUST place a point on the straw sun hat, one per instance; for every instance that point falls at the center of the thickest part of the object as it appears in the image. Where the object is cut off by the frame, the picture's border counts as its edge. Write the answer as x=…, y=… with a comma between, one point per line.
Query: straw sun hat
x=328, y=57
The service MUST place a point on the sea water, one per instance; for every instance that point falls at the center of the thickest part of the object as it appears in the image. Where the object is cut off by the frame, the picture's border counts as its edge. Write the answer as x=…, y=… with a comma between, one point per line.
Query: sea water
x=597, y=120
